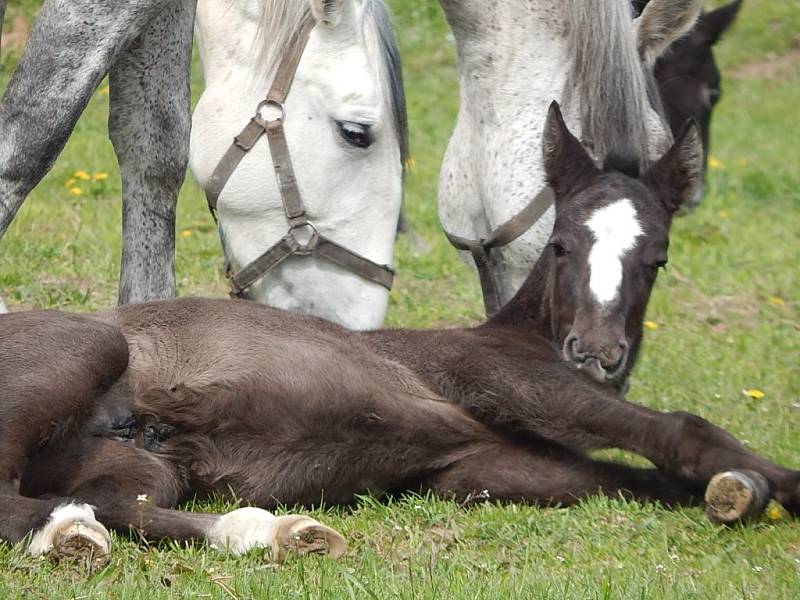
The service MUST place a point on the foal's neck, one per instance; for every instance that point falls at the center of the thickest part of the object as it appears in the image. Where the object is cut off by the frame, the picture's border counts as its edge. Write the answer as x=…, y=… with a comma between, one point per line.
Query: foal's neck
x=529, y=310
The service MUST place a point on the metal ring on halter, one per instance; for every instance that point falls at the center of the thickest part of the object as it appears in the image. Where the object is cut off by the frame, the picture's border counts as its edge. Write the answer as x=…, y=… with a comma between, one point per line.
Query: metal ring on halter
x=304, y=249
x=274, y=104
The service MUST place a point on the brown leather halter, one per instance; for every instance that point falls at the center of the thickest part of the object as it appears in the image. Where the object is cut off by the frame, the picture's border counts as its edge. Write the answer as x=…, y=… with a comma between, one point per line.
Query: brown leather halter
x=502, y=235
x=293, y=206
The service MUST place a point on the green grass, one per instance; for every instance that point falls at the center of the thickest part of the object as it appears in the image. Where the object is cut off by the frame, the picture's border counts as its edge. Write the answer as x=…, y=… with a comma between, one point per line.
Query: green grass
x=728, y=315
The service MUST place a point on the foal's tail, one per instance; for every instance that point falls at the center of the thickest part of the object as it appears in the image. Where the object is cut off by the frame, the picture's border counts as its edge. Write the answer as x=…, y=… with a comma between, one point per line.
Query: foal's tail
x=610, y=80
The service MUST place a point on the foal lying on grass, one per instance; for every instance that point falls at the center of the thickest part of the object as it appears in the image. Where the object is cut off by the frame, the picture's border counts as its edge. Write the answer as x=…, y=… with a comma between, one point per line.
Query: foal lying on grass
x=179, y=398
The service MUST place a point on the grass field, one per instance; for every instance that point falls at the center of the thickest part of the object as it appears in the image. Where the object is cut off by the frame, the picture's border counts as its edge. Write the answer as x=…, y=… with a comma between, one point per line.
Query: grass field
x=726, y=318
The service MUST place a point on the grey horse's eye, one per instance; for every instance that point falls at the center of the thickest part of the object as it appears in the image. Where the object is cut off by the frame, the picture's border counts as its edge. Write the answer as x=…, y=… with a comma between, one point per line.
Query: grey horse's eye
x=355, y=134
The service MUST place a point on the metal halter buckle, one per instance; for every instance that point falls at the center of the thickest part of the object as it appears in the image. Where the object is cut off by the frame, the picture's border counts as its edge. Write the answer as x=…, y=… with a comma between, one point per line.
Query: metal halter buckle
x=272, y=104
x=304, y=248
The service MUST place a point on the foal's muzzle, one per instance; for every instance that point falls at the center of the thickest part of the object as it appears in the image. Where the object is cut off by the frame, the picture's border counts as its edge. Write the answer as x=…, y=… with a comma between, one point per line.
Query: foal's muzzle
x=603, y=363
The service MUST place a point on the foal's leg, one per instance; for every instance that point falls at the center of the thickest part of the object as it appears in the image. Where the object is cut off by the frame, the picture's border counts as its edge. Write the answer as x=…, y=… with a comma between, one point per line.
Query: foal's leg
x=149, y=126
x=53, y=366
x=134, y=489
x=544, y=474
x=71, y=48
x=576, y=413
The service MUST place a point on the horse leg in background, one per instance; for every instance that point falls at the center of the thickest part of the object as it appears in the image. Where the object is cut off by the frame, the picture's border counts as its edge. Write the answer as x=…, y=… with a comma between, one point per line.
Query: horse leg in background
x=132, y=488
x=71, y=48
x=545, y=474
x=149, y=124
x=67, y=362
x=2, y=14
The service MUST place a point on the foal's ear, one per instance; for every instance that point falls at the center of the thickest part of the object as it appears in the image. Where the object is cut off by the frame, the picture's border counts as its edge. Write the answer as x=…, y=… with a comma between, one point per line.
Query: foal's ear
x=677, y=174
x=661, y=23
x=713, y=24
x=566, y=162
x=328, y=12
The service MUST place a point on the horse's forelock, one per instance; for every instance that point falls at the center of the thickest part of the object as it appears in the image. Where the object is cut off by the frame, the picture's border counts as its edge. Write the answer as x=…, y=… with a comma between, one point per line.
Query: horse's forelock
x=379, y=14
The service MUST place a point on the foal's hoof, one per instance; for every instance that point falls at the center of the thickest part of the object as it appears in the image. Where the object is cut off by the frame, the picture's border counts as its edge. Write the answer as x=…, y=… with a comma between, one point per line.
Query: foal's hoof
x=72, y=534
x=301, y=535
x=735, y=496
x=82, y=543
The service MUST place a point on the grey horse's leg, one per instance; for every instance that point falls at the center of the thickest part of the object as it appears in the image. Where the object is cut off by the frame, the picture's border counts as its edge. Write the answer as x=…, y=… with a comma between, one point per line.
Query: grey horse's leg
x=149, y=126
x=71, y=48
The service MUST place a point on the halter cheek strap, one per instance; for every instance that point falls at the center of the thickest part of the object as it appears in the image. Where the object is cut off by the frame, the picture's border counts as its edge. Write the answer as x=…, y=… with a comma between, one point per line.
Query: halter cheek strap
x=289, y=245
x=481, y=249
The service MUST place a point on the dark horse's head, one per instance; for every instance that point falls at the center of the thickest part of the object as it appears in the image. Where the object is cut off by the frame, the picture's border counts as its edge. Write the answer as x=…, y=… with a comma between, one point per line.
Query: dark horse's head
x=590, y=288
x=687, y=74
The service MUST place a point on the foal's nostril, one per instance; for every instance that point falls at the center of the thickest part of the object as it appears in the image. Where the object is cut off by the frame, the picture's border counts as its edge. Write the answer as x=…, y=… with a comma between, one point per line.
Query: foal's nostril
x=616, y=360
x=571, y=349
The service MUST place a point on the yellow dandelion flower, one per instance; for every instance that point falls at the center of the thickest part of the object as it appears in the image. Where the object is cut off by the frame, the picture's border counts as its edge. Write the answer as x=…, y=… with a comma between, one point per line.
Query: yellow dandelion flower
x=70, y=182
x=777, y=301
x=100, y=176
x=82, y=175
x=714, y=163
x=186, y=233
x=410, y=163
x=774, y=512
x=75, y=191
x=651, y=325
x=754, y=393
x=723, y=214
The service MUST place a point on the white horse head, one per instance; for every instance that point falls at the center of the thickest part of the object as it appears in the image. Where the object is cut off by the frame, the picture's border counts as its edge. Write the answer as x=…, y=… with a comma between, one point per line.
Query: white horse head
x=345, y=127
x=514, y=59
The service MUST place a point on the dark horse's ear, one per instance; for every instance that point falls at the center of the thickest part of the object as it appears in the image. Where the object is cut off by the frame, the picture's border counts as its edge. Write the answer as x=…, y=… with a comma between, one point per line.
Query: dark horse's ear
x=567, y=165
x=677, y=174
x=712, y=25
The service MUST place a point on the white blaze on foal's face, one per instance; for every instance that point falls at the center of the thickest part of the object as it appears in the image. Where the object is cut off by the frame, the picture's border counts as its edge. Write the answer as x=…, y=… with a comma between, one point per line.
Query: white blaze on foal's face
x=615, y=228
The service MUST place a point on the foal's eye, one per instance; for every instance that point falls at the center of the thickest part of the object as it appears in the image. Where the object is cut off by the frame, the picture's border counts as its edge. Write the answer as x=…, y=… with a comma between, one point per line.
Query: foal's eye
x=558, y=249
x=355, y=134
x=655, y=266
x=713, y=95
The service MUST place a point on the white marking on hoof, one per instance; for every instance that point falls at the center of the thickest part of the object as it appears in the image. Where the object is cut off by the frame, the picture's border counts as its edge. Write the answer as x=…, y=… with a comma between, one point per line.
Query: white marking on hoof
x=242, y=530
x=247, y=528
x=72, y=533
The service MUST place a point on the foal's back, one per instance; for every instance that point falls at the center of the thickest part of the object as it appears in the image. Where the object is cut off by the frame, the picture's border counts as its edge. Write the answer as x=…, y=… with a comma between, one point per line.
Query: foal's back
x=198, y=343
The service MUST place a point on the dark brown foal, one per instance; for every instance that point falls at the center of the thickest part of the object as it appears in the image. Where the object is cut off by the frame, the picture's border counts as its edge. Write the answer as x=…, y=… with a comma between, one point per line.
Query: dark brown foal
x=223, y=396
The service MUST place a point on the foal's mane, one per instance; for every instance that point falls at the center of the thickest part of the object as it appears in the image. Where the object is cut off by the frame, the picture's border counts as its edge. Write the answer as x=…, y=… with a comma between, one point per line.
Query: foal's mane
x=281, y=18
x=614, y=87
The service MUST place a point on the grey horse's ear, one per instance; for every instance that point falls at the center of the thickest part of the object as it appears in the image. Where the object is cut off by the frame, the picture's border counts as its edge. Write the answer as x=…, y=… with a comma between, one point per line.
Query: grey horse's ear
x=661, y=23
x=567, y=164
x=676, y=175
x=328, y=12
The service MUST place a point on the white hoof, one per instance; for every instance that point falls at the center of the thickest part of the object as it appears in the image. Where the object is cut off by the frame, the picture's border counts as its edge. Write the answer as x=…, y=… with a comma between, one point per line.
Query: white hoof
x=73, y=534
x=247, y=528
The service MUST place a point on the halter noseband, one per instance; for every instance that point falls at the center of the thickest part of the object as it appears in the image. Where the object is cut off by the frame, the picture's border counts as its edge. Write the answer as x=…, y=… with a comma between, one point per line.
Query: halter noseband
x=293, y=207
